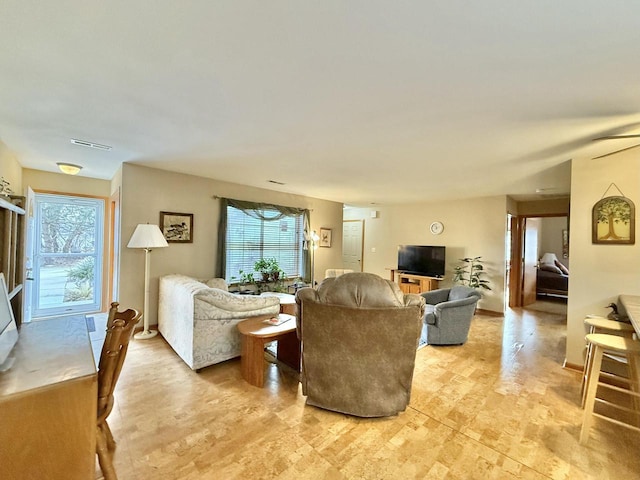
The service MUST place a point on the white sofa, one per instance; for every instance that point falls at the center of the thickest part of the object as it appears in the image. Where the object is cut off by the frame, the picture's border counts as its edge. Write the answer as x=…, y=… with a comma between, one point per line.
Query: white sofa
x=198, y=319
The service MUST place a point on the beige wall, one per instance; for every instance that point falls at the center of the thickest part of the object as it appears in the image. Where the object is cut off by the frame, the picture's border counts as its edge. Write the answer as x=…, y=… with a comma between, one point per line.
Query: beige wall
x=551, y=237
x=557, y=206
x=599, y=273
x=61, y=183
x=148, y=191
x=473, y=227
x=10, y=169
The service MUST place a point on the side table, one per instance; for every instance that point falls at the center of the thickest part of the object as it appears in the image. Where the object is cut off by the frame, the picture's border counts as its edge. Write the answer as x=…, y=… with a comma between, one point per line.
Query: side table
x=255, y=334
x=287, y=301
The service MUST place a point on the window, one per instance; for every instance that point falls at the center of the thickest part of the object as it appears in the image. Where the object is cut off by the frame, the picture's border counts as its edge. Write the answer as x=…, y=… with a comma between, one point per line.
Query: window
x=264, y=232
x=67, y=256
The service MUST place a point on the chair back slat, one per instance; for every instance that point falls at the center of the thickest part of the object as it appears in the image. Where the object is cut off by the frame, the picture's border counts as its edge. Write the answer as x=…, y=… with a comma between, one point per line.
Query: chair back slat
x=120, y=327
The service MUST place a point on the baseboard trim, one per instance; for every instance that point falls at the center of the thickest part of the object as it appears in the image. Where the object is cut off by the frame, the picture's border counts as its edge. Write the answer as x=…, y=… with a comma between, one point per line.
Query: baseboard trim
x=572, y=366
x=489, y=313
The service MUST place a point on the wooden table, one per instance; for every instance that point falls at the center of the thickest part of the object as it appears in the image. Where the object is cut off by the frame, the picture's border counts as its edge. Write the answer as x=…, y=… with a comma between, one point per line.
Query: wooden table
x=255, y=334
x=287, y=301
x=48, y=400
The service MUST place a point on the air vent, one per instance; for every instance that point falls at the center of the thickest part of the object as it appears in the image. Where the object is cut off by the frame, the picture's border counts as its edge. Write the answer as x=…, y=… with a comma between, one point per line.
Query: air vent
x=84, y=143
x=276, y=182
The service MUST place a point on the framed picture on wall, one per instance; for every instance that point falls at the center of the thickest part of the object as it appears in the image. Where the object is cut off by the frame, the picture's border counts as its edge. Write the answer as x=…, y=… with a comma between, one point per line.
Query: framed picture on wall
x=177, y=227
x=565, y=243
x=325, y=237
x=613, y=221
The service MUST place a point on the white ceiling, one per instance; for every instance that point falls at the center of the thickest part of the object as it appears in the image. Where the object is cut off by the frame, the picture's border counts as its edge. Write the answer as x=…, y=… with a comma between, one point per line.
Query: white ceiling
x=352, y=101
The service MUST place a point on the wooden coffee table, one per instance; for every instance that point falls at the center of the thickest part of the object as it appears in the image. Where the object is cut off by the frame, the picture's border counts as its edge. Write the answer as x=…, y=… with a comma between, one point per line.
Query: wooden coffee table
x=255, y=334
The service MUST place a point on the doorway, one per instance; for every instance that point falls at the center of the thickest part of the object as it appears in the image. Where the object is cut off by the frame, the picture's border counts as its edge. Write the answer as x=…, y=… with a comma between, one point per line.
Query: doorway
x=67, y=255
x=530, y=237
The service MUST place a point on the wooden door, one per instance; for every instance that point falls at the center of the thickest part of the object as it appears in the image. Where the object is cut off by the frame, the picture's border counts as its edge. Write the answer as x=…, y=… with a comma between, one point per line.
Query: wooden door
x=530, y=260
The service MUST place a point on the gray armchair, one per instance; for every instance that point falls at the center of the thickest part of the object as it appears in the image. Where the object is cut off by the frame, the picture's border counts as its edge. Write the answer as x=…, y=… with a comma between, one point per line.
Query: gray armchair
x=359, y=337
x=448, y=315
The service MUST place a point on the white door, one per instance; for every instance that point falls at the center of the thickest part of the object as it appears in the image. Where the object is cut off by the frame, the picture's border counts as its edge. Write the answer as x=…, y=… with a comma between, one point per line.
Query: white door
x=352, y=245
x=67, y=264
x=29, y=254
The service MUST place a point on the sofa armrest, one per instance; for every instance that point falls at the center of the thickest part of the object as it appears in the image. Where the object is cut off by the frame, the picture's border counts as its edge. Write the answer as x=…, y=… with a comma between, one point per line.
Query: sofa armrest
x=455, y=311
x=456, y=303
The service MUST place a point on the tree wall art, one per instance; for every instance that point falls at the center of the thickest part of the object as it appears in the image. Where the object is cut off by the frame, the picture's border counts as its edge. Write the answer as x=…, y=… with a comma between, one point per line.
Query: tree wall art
x=614, y=221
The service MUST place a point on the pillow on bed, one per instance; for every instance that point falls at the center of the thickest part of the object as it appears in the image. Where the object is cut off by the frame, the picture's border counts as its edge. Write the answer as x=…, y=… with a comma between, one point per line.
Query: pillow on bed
x=550, y=268
x=562, y=268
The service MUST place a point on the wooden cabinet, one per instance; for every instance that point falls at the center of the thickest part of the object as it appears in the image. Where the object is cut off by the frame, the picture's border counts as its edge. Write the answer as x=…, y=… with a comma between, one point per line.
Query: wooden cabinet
x=12, y=229
x=410, y=283
x=48, y=400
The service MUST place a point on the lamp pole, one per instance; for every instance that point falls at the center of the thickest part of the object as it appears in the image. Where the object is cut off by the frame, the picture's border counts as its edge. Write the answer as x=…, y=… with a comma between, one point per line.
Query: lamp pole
x=146, y=333
x=146, y=237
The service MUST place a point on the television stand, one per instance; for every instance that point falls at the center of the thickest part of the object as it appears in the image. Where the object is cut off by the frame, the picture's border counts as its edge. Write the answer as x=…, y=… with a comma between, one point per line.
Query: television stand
x=411, y=283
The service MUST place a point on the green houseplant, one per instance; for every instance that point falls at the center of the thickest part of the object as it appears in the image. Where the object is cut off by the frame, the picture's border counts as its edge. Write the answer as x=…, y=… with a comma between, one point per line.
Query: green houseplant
x=269, y=268
x=471, y=273
x=263, y=267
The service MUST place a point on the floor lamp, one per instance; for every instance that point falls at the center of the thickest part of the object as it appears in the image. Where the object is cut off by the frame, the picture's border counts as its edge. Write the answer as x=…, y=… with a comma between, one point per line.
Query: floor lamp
x=314, y=245
x=146, y=237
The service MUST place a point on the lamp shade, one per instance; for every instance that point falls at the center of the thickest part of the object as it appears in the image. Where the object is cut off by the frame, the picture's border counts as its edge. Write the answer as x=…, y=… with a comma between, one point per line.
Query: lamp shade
x=549, y=258
x=147, y=236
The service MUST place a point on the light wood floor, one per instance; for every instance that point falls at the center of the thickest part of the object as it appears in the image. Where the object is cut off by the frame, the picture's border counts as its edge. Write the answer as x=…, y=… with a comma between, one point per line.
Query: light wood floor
x=499, y=407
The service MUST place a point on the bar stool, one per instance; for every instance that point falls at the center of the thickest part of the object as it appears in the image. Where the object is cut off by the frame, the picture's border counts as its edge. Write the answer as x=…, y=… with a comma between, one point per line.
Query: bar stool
x=622, y=346
x=599, y=324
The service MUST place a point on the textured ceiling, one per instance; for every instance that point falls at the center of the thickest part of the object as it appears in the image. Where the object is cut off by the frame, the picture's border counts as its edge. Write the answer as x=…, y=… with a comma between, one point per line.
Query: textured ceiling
x=357, y=102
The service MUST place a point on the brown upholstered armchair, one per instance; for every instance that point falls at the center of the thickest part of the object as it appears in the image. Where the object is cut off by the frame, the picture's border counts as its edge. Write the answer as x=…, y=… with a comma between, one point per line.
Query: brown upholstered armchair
x=359, y=337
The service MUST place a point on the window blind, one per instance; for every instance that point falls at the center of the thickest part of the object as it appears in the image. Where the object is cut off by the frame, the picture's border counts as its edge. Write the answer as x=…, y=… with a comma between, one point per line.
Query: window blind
x=250, y=239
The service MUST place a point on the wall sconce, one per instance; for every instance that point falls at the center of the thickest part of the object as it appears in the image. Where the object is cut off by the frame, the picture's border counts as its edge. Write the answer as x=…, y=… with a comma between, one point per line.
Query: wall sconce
x=69, y=168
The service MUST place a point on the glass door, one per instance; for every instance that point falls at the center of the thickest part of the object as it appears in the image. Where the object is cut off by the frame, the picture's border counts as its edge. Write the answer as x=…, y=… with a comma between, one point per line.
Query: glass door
x=67, y=263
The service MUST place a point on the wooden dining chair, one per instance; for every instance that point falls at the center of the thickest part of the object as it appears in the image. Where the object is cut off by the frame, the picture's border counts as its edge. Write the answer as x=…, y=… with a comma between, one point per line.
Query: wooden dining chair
x=114, y=350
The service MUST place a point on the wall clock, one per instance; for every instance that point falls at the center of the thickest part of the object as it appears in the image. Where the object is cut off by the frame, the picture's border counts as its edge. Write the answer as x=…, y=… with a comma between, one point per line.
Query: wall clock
x=436, y=228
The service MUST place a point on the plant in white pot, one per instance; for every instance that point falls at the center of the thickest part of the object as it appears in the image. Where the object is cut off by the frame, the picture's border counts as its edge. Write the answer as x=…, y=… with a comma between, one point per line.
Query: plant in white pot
x=471, y=273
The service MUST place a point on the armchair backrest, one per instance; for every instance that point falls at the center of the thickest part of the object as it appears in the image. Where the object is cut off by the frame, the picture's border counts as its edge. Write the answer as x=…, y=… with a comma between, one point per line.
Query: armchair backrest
x=458, y=292
x=359, y=337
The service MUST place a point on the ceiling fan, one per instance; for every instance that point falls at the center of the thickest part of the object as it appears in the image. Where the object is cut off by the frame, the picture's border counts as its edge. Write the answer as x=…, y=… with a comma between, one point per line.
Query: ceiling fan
x=616, y=137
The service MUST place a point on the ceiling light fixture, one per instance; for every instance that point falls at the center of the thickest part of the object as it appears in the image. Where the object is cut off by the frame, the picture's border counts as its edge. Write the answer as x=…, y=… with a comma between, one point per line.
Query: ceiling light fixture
x=69, y=168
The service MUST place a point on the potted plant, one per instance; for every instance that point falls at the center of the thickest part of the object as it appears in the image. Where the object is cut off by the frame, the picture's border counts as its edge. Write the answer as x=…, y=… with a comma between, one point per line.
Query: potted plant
x=264, y=267
x=471, y=273
x=275, y=272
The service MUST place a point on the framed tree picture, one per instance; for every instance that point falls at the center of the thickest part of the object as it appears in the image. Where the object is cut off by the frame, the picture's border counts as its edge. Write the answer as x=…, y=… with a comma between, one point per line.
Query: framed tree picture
x=177, y=227
x=613, y=221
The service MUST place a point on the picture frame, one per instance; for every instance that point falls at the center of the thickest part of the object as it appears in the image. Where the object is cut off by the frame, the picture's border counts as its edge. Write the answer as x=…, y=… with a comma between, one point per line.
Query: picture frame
x=325, y=237
x=613, y=221
x=177, y=227
x=565, y=243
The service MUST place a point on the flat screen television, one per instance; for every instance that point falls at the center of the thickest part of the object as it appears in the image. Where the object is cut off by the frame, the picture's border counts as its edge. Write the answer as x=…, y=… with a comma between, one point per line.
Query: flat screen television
x=422, y=260
x=8, y=328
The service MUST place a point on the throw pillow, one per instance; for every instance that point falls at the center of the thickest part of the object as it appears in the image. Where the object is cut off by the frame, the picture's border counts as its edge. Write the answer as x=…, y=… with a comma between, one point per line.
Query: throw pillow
x=562, y=268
